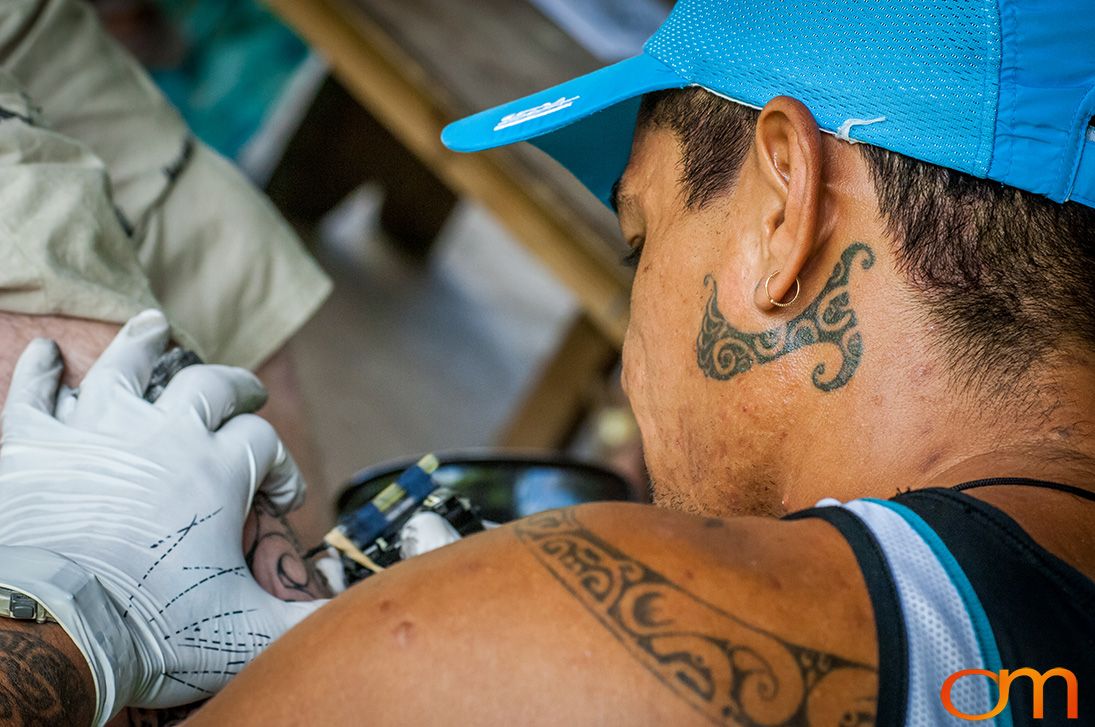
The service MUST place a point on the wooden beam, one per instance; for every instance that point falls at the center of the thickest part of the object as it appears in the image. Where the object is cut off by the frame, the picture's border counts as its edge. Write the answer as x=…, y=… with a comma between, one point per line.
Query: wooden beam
x=555, y=405
x=395, y=90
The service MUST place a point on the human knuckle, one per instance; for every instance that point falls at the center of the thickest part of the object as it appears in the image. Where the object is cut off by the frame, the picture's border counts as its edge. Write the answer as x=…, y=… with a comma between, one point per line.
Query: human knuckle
x=193, y=376
x=257, y=427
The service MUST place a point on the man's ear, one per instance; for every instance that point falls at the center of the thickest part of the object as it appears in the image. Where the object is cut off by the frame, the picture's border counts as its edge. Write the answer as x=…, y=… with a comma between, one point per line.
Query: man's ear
x=788, y=159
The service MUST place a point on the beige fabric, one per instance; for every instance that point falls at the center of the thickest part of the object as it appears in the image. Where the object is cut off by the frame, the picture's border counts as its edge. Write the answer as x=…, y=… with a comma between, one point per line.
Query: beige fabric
x=226, y=265
x=108, y=204
x=62, y=248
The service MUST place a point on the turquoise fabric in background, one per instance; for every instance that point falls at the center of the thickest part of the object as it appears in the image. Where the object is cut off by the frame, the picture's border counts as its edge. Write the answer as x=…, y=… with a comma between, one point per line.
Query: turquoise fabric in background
x=239, y=60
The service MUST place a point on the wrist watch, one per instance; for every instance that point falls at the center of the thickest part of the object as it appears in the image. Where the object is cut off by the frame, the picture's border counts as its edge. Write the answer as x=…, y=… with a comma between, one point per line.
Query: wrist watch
x=21, y=607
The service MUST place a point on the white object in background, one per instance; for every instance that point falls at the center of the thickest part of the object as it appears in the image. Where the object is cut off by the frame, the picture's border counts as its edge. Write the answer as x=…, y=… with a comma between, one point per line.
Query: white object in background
x=611, y=30
x=424, y=532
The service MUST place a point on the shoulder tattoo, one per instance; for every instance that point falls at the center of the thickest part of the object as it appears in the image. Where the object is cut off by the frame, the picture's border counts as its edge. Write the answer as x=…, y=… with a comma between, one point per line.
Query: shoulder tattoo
x=724, y=668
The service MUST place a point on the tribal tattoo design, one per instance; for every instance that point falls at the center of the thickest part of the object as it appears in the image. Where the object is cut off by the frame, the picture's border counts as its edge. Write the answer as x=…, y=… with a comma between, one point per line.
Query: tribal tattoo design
x=39, y=684
x=723, y=351
x=727, y=670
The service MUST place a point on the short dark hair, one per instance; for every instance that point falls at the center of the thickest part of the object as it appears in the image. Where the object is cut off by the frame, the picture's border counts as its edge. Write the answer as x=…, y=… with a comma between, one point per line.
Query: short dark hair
x=1007, y=276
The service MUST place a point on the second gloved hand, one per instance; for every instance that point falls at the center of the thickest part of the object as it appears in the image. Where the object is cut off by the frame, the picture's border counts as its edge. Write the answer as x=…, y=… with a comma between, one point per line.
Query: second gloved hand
x=150, y=499
x=424, y=532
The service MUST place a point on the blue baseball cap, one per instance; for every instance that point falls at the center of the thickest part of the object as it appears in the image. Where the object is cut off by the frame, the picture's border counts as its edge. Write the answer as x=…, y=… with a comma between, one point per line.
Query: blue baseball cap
x=999, y=89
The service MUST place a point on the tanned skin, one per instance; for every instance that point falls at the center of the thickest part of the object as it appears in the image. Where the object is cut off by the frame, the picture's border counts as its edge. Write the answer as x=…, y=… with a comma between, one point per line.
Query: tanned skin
x=43, y=678
x=572, y=618
x=699, y=611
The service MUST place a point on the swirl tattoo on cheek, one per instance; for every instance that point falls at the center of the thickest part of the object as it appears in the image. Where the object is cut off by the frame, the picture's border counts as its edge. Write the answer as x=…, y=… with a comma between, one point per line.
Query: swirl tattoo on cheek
x=723, y=351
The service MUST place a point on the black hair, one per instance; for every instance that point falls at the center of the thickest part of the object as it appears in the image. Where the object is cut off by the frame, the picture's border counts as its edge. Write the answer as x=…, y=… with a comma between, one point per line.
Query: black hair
x=1007, y=276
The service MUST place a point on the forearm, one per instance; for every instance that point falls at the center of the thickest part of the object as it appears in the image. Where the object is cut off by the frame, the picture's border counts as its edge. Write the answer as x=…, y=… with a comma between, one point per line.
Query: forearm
x=44, y=680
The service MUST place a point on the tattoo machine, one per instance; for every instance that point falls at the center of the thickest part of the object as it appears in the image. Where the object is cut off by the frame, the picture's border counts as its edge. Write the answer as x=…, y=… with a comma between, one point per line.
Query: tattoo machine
x=368, y=539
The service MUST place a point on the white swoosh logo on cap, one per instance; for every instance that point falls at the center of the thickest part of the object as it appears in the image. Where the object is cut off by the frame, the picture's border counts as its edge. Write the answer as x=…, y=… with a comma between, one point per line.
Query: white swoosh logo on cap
x=535, y=113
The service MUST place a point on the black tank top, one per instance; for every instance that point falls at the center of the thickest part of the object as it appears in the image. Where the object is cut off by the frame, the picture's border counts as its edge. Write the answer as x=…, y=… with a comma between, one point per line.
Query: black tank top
x=957, y=584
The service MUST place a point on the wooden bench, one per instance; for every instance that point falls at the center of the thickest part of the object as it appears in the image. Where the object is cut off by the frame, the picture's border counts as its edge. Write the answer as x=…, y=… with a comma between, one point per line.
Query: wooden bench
x=415, y=66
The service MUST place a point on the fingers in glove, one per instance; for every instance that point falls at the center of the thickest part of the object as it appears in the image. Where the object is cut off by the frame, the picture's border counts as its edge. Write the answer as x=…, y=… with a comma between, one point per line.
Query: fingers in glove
x=424, y=532
x=284, y=484
x=126, y=364
x=66, y=402
x=36, y=377
x=268, y=463
x=279, y=616
x=214, y=393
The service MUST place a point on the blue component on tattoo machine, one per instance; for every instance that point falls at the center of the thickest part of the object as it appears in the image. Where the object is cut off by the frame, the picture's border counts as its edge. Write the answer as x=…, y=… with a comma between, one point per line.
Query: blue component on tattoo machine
x=384, y=516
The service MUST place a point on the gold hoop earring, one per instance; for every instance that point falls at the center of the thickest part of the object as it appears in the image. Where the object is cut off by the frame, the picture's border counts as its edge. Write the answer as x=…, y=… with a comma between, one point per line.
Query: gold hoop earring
x=773, y=301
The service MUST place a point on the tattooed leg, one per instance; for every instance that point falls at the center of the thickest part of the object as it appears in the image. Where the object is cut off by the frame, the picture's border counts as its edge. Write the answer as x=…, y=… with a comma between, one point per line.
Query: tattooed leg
x=724, y=668
x=723, y=351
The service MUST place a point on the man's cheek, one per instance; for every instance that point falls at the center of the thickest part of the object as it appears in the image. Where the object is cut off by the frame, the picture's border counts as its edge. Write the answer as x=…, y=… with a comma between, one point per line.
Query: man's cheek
x=640, y=376
x=651, y=397
x=630, y=374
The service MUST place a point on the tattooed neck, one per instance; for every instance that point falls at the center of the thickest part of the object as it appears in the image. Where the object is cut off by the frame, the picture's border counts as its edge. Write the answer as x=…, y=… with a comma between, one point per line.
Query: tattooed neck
x=723, y=351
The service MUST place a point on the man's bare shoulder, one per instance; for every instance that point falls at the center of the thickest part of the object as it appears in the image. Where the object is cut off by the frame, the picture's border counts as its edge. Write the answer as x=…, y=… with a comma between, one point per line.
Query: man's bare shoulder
x=593, y=615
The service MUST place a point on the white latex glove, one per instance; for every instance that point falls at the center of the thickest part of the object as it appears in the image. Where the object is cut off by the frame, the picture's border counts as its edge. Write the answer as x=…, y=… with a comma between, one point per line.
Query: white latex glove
x=150, y=499
x=424, y=532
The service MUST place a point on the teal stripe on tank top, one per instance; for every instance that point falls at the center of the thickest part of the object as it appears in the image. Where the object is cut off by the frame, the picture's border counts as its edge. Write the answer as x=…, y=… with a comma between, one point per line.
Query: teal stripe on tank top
x=986, y=640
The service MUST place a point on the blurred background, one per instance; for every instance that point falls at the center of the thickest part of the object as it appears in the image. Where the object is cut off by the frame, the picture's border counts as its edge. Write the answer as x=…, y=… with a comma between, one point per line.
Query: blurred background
x=479, y=300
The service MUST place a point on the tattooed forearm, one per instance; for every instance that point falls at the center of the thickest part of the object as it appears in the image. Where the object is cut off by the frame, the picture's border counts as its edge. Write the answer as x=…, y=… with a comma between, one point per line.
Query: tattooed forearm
x=728, y=671
x=723, y=351
x=40, y=683
x=276, y=558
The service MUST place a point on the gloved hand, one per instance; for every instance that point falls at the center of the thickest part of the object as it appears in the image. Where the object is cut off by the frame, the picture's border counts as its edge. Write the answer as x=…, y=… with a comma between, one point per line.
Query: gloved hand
x=151, y=500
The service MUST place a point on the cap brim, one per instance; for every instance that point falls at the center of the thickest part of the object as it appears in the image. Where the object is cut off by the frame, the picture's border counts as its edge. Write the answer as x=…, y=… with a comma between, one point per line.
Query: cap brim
x=587, y=124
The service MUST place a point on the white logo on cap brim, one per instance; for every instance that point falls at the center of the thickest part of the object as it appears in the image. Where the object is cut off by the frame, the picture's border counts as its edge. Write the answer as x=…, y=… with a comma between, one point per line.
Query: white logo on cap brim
x=535, y=113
